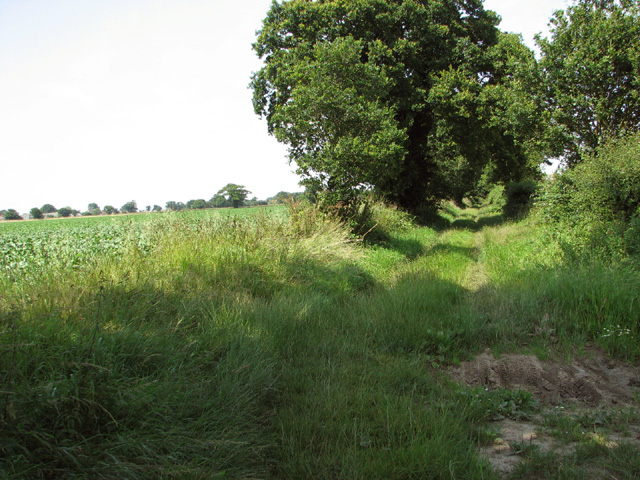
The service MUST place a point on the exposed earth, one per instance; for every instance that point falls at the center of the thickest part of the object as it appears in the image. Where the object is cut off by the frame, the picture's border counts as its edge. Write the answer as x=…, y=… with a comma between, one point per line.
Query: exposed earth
x=594, y=386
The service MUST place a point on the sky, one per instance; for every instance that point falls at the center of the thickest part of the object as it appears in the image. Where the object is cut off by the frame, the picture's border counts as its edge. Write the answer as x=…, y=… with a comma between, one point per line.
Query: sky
x=107, y=101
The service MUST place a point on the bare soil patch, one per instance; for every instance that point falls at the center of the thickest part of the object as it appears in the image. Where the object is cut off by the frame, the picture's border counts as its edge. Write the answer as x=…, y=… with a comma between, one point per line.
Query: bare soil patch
x=502, y=454
x=590, y=381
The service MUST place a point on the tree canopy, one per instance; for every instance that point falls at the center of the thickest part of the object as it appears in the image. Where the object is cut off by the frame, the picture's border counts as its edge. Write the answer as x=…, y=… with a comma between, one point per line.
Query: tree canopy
x=12, y=214
x=129, y=207
x=48, y=208
x=65, y=212
x=405, y=97
x=36, y=213
x=235, y=194
x=591, y=68
x=197, y=204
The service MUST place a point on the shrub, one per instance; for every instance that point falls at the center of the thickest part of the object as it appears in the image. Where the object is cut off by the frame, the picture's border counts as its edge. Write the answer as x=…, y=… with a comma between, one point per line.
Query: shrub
x=495, y=197
x=594, y=208
x=632, y=234
x=48, y=208
x=65, y=212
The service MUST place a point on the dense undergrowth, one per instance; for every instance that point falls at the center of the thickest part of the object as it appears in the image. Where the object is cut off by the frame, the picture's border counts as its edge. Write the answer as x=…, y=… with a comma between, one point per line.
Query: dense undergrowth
x=283, y=347
x=593, y=209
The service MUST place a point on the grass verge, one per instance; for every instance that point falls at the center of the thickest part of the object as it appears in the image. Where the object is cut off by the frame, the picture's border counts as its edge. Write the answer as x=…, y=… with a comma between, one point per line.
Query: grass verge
x=275, y=347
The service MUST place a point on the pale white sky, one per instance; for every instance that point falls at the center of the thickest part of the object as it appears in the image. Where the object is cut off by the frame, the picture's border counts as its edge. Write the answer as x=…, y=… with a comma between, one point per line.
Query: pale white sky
x=108, y=101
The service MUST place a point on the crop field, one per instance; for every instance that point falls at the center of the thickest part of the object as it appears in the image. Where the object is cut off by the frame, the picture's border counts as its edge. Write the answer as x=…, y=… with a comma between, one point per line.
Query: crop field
x=32, y=247
x=273, y=344
x=74, y=222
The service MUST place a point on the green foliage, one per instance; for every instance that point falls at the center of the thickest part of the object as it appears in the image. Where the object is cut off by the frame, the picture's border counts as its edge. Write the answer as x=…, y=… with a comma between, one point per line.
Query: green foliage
x=33, y=254
x=412, y=99
x=36, y=213
x=260, y=344
x=376, y=221
x=498, y=404
x=129, y=207
x=197, y=204
x=92, y=209
x=48, y=208
x=495, y=197
x=65, y=212
x=503, y=108
x=285, y=197
x=110, y=210
x=591, y=71
x=594, y=208
x=219, y=201
x=11, y=214
x=175, y=206
x=234, y=194
x=111, y=382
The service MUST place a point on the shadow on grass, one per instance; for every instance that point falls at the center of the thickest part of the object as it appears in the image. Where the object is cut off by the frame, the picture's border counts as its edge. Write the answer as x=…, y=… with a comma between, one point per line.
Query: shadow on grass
x=445, y=249
x=464, y=224
x=479, y=224
x=491, y=221
x=441, y=223
x=408, y=247
x=134, y=382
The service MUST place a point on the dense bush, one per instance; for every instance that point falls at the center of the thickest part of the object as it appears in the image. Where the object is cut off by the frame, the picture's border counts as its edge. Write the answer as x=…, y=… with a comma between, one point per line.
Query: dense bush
x=594, y=208
x=36, y=213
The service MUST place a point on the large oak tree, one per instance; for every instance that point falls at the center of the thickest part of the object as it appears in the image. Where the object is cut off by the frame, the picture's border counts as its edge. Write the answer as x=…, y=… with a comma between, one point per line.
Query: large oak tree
x=401, y=96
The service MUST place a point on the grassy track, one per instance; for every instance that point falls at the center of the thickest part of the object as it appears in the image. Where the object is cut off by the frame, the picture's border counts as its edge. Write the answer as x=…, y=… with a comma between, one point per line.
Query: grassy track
x=271, y=348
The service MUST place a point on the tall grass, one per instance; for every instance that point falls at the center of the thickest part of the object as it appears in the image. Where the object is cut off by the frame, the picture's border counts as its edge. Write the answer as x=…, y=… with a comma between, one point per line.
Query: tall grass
x=145, y=364
x=535, y=296
x=275, y=346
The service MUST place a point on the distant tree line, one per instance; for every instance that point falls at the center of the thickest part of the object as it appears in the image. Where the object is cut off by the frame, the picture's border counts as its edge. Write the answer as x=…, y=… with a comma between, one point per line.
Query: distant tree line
x=230, y=196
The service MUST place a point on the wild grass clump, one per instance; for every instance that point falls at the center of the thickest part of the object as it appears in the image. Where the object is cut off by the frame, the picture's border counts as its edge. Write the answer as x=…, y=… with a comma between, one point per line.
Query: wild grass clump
x=373, y=220
x=149, y=363
x=495, y=197
x=593, y=209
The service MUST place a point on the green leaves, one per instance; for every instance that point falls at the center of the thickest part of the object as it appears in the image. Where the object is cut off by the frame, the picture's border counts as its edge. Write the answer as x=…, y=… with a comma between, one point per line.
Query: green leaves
x=388, y=95
x=334, y=122
x=591, y=69
x=236, y=194
x=31, y=254
x=594, y=208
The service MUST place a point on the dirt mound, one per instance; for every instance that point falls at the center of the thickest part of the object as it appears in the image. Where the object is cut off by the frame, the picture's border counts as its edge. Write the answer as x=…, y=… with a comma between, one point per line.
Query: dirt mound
x=592, y=381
